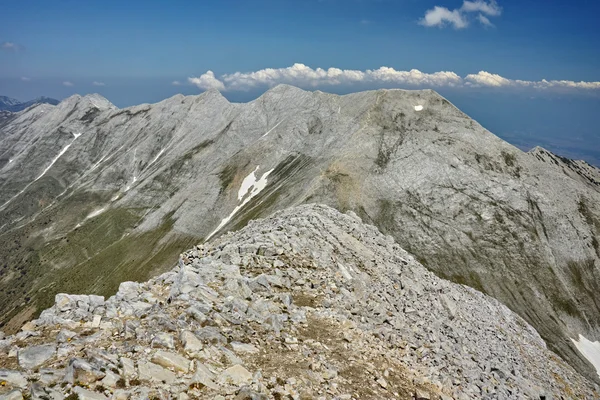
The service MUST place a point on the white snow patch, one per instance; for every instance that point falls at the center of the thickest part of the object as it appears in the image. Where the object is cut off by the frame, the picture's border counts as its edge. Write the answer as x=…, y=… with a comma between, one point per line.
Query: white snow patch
x=10, y=160
x=247, y=183
x=134, y=177
x=96, y=213
x=255, y=188
x=77, y=135
x=54, y=160
x=269, y=131
x=339, y=109
x=63, y=151
x=590, y=350
x=156, y=158
x=115, y=197
x=418, y=108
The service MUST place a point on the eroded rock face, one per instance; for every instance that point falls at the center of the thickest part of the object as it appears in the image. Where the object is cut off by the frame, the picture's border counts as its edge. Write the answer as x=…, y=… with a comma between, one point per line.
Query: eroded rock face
x=309, y=303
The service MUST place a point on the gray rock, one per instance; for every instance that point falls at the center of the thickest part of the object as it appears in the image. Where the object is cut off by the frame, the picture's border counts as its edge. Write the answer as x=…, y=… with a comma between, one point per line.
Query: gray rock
x=13, y=378
x=152, y=372
x=169, y=359
x=84, y=394
x=236, y=375
x=12, y=395
x=32, y=357
x=83, y=372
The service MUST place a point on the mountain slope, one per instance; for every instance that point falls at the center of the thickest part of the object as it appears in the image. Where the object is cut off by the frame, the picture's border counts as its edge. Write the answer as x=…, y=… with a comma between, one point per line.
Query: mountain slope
x=91, y=195
x=307, y=303
x=14, y=105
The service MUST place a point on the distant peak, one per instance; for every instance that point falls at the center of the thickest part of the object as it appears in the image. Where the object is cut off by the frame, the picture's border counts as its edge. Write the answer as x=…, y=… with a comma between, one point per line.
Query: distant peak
x=93, y=100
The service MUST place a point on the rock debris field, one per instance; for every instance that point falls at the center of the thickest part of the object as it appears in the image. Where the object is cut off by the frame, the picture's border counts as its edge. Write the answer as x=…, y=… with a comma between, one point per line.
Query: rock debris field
x=307, y=304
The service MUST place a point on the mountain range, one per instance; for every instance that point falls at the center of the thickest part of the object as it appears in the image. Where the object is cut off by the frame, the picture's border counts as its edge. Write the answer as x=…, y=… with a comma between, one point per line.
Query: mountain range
x=14, y=105
x=92, y=195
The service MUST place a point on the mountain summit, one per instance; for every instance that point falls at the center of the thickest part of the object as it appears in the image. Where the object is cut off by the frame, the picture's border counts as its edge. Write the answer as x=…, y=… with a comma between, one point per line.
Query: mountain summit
x=92, y=195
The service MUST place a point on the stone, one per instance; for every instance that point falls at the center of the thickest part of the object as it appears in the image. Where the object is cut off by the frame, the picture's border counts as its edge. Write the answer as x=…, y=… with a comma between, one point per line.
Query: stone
x=204, y=376
x=236, y=375
x=153, y=372
x=191, y=344
x=65, y=335
x=110, y=380
x=81, y=371
x=84, y=394
x=34, y=356
x=422, y=395
x=164, y=340
x=13, y=378
x=128, y=367
x=243, y=348
x=168, y=359
x=12, y=395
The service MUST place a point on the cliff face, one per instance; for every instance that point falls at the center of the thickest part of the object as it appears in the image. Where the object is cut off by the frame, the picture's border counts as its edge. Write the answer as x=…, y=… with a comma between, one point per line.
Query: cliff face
x=307, y=303
x=92, y=195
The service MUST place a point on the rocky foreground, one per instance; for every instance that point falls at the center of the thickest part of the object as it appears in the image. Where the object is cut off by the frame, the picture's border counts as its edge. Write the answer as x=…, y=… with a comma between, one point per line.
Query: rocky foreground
x=308, y=303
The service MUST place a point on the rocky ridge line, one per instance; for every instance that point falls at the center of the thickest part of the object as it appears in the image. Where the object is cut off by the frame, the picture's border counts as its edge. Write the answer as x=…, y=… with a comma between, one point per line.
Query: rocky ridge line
x=309, y=303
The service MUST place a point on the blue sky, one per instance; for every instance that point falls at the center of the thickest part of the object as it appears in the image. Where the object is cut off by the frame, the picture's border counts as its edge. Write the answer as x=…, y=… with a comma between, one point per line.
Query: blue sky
x=135, y=50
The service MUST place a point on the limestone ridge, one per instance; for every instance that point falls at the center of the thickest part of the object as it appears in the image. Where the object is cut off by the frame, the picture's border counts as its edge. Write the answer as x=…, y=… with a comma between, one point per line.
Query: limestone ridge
x=308, y=303
x=92, y=195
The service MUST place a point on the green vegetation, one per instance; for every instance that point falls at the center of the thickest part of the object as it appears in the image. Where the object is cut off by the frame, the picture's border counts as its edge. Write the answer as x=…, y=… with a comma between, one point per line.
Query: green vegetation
x=93, y=258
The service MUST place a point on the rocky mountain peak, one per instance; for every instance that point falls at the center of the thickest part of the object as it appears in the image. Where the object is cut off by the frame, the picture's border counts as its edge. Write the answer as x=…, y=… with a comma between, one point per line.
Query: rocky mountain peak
x=90, y=198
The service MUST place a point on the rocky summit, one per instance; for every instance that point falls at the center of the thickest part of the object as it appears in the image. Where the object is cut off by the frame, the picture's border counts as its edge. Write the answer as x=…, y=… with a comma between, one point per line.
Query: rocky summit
x=308, y=303
x=92, y=196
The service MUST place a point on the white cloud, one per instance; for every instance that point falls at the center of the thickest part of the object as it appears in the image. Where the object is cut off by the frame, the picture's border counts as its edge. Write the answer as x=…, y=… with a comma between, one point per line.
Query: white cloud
x=25, y=79
x=68, y=84
x=441, y=16
x=96, y=83
x=176, y=83
x=10, y=46
x=486, y=79
x=207, y=81
x=484, y=21
x=490, y=8
x=304, y=76
x=483, y=78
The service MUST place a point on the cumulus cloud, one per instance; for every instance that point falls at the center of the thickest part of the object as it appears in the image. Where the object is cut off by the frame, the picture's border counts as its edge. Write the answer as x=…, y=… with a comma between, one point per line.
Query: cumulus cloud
x=207, y=81
x=10, y=46
x=96, y=83
x=486, y=79
x=481, y=6
x=484, y=21
x=441, y=16
x=176, y=83
x=305, y=76
x=68, y=84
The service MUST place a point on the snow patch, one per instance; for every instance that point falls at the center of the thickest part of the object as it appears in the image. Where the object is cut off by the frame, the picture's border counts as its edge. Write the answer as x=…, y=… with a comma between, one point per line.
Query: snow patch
x=63, y=151
x=418, y=108
x=590, y=350
x=156, y=158
x=250, y=191
x=270, y=130
x=10, y=160
x=247, y=183
x=77, y=135
x=96, y=213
